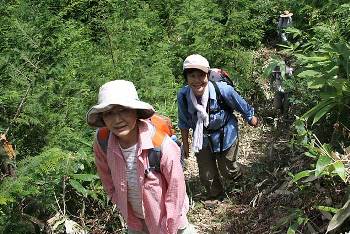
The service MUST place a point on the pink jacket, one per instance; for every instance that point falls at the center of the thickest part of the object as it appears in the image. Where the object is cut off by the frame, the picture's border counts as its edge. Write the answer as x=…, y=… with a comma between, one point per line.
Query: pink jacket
x=163, y=194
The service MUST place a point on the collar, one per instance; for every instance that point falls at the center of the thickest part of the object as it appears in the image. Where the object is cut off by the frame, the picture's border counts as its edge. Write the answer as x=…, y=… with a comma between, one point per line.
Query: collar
x=145, y=134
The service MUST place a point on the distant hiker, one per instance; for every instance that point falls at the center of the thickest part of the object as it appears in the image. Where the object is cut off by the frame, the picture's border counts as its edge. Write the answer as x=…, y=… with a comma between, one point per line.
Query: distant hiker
x=151, y=201
x=7, y=157
x=280, y=100
x=206, y=107
x=284, y=21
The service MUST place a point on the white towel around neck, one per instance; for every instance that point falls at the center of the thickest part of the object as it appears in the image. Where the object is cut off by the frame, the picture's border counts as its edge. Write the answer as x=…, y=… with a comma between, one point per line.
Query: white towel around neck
x=203, y=118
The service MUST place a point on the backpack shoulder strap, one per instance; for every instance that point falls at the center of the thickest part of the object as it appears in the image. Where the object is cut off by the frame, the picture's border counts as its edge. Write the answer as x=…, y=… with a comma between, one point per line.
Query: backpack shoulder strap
x=222, y=103
x=220, y=98
x=154, y=154
x=102, y=136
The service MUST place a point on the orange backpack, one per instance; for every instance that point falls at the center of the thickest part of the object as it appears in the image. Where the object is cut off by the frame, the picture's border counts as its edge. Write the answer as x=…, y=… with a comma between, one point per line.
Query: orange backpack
x=163, y=127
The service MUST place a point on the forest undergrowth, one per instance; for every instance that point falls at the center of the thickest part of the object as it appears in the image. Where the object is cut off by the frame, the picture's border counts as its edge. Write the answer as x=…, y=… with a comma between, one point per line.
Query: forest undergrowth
x=247, y=207
x=264, y=199
x=56, y=54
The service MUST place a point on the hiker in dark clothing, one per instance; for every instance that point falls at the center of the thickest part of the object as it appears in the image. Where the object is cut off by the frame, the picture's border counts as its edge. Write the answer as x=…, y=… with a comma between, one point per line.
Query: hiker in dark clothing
x=280, y=100
x=284, y=21
x=215, y=137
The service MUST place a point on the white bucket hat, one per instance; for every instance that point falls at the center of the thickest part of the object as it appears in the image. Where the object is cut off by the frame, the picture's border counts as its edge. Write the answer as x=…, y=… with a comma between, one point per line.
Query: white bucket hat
x=286, y=14
x=117, y=92
x=196, y=61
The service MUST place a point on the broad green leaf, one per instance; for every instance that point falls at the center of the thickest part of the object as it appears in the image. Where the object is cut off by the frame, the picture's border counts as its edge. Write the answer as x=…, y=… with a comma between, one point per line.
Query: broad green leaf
x=328, y=209
x=316, y=108
x=93, y=194
x=302, y=220
x=301, y=174
x=292, y=229
x=323, y=111
x=310, y=154
x=309, y=74
x=339, y=169
x=79, y=187
x=268, y=70
x=333, y=71
x=85, y=177
x=323, y=162
x=317, y=58
x=316, y=83
x=339, y=217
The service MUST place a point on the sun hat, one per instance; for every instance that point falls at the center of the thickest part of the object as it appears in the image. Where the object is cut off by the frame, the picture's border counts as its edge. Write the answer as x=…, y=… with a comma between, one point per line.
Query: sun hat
x=117, y=92
x=286, y=14
x=196, y=61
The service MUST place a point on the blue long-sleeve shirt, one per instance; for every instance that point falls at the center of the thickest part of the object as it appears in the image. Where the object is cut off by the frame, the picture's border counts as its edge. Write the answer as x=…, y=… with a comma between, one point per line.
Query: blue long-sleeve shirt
x=187, y=114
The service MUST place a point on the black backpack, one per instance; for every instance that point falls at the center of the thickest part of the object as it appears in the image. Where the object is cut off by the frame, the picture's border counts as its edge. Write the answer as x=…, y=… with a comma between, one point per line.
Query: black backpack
x=217, y=75
x=220, y=75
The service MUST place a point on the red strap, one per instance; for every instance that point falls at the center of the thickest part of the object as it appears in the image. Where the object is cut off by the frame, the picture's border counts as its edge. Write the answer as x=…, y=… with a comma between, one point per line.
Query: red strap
x=103, y=134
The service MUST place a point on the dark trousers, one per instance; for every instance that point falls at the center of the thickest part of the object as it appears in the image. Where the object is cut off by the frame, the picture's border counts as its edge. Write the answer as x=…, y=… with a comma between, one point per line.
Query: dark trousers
x=212, y=165
x=280, y=102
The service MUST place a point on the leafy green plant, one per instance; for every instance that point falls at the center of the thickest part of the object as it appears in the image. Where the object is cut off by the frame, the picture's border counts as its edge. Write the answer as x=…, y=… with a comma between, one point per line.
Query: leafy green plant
x=340, y=216
x=294, y=221
x=328, y=162
x=328, y=71
x=41, y=184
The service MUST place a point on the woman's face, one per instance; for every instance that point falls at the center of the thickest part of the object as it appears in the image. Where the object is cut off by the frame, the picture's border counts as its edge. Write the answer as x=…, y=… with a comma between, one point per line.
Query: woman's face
x=121, y=121
x=197, y=80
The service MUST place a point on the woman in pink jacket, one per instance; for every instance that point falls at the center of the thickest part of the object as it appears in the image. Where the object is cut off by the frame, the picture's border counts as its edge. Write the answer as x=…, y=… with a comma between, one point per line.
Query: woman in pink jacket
x=150, y=201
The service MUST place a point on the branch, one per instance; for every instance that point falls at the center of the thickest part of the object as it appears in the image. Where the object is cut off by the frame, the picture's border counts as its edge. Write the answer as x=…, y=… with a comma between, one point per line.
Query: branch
x=63, y=195
x=58, y=204
x=110, y=46
x=35, y=220
x=18, y=109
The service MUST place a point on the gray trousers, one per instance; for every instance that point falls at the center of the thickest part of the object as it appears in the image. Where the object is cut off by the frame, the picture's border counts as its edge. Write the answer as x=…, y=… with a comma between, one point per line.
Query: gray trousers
x=212, y=165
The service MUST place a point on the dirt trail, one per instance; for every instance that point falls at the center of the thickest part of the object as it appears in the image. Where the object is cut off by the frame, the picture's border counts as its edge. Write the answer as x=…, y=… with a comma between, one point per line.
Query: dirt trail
x=252, y=200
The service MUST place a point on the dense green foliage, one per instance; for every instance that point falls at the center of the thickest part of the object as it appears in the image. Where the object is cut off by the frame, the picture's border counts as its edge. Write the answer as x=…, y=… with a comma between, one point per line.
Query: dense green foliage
x=56, y=53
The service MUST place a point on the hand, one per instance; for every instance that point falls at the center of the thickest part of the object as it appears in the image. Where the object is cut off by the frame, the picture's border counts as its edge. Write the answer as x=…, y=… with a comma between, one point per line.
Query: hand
x=254, y=122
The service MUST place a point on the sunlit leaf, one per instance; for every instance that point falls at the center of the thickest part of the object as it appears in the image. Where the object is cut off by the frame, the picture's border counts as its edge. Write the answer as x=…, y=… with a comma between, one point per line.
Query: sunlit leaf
x=316, y=83
x=79, y=187
x=339, y=169
x=339, y=217
x=323, y=162
x=316, y=58
x=292, y=229
x=328, y=209
x=301, y=174
x=85, y=177
x=309, y=74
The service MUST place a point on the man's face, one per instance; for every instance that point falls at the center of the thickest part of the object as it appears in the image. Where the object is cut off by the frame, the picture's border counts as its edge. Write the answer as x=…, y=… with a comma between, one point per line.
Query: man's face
x=197, y=80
